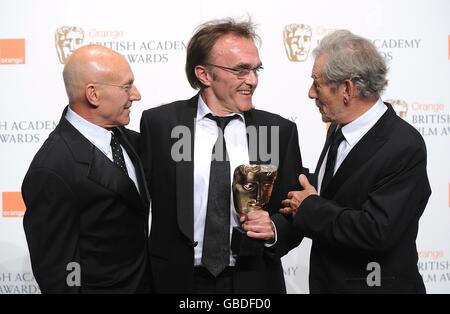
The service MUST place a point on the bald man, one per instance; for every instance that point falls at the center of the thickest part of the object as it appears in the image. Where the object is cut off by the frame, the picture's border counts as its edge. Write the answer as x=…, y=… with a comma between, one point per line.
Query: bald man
x=87, y=203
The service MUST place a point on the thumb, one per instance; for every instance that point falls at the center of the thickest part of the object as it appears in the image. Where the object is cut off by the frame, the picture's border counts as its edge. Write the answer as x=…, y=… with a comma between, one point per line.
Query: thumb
x=303, y=181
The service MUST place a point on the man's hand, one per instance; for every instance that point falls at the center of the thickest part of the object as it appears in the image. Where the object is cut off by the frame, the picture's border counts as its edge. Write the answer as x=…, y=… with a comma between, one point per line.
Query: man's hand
x=258, y=225
x=295, y=198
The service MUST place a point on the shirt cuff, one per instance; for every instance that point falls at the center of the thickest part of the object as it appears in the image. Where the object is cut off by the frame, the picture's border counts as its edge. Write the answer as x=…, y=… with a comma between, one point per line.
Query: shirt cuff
x=270, y=244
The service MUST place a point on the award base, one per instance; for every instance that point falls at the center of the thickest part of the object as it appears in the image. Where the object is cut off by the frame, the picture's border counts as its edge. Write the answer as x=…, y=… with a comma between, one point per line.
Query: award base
x=242, y=245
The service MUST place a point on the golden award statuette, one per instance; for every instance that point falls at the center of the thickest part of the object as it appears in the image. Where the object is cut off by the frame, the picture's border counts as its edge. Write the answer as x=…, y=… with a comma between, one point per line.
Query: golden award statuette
x=252, y=188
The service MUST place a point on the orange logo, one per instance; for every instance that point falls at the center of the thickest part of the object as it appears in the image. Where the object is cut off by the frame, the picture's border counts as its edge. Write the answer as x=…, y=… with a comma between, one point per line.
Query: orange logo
x=12, y=51
x=13, y=205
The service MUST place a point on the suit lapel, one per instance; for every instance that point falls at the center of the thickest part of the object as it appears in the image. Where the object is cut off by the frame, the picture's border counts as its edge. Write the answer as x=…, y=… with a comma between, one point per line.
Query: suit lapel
x=331, y=130
x=256, y=148
x=119, y=131
x=185, y=174
x=369, y=144
x=100, y=169
x=81, y=148
x=105, y=173
x=250, y=122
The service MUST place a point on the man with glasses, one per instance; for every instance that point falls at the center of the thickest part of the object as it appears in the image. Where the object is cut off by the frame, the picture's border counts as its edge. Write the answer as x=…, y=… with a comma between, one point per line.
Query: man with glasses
x=192, y=207
x=87, y=202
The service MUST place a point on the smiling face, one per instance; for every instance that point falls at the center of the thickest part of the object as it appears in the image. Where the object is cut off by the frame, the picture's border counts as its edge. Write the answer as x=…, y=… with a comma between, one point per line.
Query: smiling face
x=252, y=187
x=99, y=84
x=117, y=92
x=225, y=92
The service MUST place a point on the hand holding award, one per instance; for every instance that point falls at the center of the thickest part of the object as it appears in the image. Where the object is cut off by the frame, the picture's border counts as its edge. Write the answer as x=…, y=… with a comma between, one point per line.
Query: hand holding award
x=252, y=188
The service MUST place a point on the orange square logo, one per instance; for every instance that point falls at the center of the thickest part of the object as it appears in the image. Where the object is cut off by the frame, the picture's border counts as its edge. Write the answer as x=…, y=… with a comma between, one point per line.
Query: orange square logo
x=12, y=51
x=13, y=204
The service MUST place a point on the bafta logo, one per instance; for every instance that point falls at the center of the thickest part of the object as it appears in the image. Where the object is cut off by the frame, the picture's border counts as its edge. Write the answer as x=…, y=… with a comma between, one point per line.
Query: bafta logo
x=400, y=107
x=67, y=39
x=297, y=41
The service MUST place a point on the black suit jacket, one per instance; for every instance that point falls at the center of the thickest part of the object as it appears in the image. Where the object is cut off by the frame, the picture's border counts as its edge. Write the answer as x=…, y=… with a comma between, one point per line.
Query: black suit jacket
x=171, y=189
x=369, y=213
x=82, y=208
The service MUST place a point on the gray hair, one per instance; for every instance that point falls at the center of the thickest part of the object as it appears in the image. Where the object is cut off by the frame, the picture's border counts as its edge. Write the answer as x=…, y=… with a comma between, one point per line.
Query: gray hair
x=355, y=58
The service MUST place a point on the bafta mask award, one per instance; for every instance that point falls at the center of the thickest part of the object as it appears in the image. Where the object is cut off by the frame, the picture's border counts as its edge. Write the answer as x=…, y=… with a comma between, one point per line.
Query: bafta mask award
x=252, y=188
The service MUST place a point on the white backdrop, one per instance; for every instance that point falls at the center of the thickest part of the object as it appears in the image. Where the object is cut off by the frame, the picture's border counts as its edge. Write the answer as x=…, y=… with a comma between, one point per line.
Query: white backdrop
x=413, y=35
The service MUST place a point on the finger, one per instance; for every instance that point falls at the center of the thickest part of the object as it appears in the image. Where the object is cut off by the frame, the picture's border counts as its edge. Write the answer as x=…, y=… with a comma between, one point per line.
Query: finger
x=286, y=202
x=286, y=210
x=259, y=221
x=304, y=181
x=258, y=214
x=263, y=228
x=258, y=235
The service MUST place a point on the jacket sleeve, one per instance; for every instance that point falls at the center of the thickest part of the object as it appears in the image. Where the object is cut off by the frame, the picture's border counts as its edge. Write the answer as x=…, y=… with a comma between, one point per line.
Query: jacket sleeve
x=145, y=146
x=395, y=201
x=289, y=169
x=51, y=225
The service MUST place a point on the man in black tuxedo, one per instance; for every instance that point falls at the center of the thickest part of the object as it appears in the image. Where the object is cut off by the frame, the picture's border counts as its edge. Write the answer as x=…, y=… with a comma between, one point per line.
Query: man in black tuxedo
x=370, y=186
x=223, y=62
x=87, y=202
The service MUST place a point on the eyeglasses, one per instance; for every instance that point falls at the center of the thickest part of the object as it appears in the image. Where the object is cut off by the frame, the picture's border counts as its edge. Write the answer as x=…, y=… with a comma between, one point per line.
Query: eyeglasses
x=127, y=87
x=239, y=72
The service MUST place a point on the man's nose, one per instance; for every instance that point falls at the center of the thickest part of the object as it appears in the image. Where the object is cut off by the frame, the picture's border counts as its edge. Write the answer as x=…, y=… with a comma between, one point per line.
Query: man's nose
x=252, y=78
x=312, y=92
x=259, y=193
x=135, y=95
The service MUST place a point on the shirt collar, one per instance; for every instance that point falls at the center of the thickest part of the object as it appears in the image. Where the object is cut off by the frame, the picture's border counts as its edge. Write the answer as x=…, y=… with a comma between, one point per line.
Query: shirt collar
x=357, y=128
x=97, y=135
x=203, y=110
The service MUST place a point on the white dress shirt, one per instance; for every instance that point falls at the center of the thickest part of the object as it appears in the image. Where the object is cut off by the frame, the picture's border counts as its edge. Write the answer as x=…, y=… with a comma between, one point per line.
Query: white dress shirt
x=206, y=133
x=353, y=132
x=100, y=138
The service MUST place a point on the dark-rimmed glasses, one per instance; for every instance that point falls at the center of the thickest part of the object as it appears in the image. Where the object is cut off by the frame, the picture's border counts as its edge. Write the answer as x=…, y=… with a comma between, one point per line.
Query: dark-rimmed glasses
x=239, y=72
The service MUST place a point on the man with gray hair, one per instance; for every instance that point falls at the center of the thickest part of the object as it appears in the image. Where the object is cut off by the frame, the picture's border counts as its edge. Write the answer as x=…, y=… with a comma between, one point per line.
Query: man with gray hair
x=370, y=186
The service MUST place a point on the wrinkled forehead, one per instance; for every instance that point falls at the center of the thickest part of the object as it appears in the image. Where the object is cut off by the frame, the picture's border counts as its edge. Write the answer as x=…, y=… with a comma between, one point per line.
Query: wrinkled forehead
x=318, y=66
x=233, y=49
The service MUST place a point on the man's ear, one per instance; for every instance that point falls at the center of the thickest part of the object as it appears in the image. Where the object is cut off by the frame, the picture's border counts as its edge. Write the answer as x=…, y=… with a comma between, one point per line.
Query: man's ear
x=203, y=75
x=349, y=90
x=92, y=95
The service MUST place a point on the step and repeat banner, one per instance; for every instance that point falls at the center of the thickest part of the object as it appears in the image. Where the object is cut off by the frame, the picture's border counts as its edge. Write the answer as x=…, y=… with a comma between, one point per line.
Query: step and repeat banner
x=36, y=37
